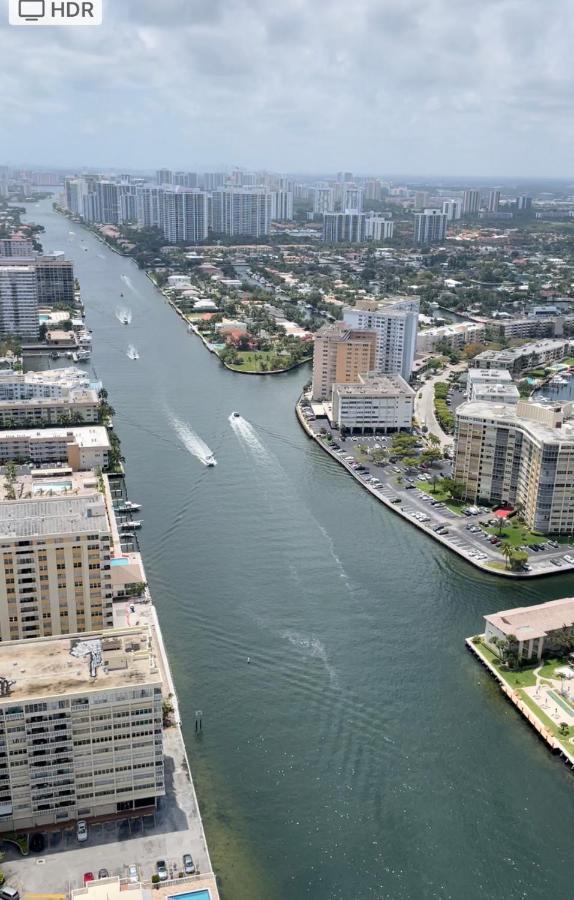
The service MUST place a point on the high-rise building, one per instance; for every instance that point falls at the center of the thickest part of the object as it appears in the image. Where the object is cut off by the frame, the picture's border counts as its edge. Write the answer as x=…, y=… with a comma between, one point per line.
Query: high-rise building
x=107, y=201
x=54, y=574
x=340, y=354
x=430, y=227
x=81, y=728
x=395, y=322
x=213, y=181
x=378, y=228
x=185, y=216
x=241, y=211
x=185, y=179
x=127, y=195
x=342, y=177
x=19, y=302
x=281, y=206
x=493, y=202
x=347, y=227
x=54, y=277
x=471, y=203
x=16, y=247
x=373, y=189
x=421, y=200
x=323, y=199
x=376, y=403
x=164, y=176
x=519, y=454
x=149, y=206
x=351, y=199
x=523, y=203
x=452, y=209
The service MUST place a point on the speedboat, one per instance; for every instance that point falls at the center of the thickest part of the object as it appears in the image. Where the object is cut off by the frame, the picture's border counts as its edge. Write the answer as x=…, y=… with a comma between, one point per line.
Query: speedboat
x=124, y=320
x=235, y=415
x=210, y=460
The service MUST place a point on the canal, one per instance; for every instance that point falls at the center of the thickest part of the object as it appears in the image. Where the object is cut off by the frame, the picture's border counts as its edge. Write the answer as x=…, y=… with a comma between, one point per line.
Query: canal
x=361, y=752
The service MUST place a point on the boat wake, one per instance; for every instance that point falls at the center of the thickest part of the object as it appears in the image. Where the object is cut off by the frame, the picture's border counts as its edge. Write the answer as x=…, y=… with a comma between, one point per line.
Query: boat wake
x=100, y=255
x=127, y=281
x=247, y=434
x=132, y=353
x=193, y=443
x=124, y=315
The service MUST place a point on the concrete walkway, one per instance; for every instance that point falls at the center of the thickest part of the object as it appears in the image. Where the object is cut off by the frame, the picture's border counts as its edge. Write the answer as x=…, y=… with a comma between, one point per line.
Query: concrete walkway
x=424, y=405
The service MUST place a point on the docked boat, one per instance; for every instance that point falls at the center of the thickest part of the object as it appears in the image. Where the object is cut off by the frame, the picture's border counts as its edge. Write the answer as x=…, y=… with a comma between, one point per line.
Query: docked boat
x=126, y=526
x=83, y=354
x=129, y=506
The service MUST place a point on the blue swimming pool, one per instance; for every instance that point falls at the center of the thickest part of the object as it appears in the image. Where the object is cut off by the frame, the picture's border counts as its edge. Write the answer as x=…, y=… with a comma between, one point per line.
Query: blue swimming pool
x=191, y=895
x=55, y=486
x=119, y=562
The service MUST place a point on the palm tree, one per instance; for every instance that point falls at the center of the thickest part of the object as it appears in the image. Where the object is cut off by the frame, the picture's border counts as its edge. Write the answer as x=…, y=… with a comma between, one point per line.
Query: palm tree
x=507, y=551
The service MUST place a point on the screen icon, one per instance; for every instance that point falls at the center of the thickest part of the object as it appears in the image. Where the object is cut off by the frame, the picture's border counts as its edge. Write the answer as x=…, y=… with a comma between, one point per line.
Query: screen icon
x=31, y=10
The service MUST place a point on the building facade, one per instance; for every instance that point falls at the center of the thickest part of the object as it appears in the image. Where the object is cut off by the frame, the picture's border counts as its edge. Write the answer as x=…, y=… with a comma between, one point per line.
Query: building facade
x=379, y=228
x=82, y=448
x=344, y=227
x=521, y=455
x=80, y=729
x=430, y=227
x=19, y=302
x=395, y=322
x=377, y=403
x=241, y=211
x=340, y=354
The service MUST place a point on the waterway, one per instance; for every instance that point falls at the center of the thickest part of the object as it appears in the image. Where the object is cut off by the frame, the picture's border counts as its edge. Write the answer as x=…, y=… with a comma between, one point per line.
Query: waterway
x=361, y=753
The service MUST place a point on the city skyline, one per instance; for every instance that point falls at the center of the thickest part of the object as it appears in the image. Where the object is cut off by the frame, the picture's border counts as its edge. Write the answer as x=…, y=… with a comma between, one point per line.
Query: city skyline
x=428, y=88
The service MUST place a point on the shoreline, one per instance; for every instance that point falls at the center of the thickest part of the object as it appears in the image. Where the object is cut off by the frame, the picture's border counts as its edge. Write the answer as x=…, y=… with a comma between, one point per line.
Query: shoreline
x=556, y=748
x=397, y=509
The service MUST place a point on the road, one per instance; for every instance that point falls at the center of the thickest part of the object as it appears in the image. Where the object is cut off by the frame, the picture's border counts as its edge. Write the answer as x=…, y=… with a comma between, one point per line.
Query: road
x=424, y=405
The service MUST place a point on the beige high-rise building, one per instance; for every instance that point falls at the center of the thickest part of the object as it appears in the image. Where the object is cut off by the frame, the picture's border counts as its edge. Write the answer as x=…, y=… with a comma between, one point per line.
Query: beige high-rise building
x=522, y=455
x=80, y=727
x=340, y=355
x=54, y=565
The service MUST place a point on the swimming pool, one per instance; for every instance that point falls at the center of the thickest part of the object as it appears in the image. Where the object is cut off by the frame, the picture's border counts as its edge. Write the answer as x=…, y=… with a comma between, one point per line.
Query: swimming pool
x=191, y=895
x=120, y=562
x=43, y=317
x=55, y=486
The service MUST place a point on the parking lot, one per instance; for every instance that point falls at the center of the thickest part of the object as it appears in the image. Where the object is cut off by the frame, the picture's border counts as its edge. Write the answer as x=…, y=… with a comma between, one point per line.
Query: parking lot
x=393, y=484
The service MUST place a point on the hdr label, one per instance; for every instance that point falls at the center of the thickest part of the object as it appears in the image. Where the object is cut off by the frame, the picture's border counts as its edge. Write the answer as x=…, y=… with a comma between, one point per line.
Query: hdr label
x=55, y=12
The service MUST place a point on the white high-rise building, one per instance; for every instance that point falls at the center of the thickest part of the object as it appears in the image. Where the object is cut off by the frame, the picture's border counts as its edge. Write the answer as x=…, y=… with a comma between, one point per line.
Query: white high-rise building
x=149, y=206
x=395, y=321
x=493, y=202
x=351, y=199
x=379, y=228
x=19, y=302
x=185, y=216
x=452, y=209
x=471, y=203
x=241, y=211
x=347, y=227
x=16, y=247
x=430, y=227
x=281, y=206
x=323, y=200
x=107, y=202
x=164, y=176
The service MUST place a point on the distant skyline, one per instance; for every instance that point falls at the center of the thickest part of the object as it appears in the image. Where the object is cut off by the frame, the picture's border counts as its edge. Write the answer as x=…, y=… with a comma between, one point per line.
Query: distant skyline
x=377, y=86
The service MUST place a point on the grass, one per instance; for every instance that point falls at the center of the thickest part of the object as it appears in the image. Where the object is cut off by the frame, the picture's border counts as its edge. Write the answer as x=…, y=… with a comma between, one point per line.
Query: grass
x=438, y=493
x=516, y=534
x=252, y=359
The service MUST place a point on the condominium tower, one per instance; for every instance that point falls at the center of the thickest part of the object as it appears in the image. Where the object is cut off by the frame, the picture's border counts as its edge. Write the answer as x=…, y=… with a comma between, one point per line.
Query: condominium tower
x=340, y=354
x=519, y=454
x=19, y=302
x=430, y=227
x=395, y=322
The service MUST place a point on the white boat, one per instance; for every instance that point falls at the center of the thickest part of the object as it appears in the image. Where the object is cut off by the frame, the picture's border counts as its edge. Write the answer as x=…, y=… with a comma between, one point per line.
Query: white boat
x=126, y=526
x=83, y=354
x=130, y=506
x=210, y=460
x=132, y=353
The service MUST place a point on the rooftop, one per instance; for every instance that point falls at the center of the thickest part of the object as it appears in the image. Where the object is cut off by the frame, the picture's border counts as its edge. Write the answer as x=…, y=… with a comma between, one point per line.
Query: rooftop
x=376, y=384
x=93, y=661
x=534, y=418
x=83, y=436
x=53, y=516
x=527, y=622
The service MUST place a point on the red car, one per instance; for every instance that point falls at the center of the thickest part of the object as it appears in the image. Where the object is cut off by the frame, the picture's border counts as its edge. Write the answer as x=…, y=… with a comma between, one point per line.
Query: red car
x=88, y=876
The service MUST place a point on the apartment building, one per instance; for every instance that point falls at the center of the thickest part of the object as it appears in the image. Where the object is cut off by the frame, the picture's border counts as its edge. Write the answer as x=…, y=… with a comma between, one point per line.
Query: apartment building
x=452, y=209
x=430, y=227
x=79, y=406
x=395, y=321
x=532, y=627
x=80, y=728
x=241, y=211
x=379, y=228
x=184, y=216
x=54, y=572
x=494, y=385
x=281, y=206
x=82, y=448
x=340, y=354
x=16, y=247
x=471, y=202
x=377, y=403
x=323, y=199
x=54, y=277
x=519, y=358
x=344, y=227
x=519, y=454
x=19, y=301
x=454, y=336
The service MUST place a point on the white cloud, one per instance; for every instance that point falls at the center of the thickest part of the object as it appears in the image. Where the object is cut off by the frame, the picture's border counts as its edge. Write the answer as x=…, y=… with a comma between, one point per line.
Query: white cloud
x=376, y=85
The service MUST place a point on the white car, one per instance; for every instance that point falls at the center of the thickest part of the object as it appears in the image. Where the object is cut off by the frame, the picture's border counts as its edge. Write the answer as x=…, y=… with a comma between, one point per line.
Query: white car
x=82, y=831
x=133, y=876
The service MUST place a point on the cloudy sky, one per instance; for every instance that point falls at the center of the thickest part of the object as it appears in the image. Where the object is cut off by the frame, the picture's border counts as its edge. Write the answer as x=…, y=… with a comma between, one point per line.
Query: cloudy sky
x=456, y=87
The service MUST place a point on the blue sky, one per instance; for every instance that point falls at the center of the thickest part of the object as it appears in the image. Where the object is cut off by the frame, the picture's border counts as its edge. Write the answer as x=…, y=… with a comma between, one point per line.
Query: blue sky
x=381, y=86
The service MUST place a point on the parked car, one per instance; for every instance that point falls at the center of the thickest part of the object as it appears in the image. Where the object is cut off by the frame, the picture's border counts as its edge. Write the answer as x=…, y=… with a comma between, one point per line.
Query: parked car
x=88, y=876
x=133, y=876
x=82, y=831
x=188, y=864
x=103, y=873
x=161, y=869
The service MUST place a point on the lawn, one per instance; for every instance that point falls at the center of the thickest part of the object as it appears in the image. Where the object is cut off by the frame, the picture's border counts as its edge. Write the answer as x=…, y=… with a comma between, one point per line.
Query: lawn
x=516, y=534
x=437, y=493
x=252, y=360
x=516, y=678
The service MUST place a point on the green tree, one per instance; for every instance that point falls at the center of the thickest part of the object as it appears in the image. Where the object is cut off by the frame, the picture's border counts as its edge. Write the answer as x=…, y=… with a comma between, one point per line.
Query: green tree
x=507, y=552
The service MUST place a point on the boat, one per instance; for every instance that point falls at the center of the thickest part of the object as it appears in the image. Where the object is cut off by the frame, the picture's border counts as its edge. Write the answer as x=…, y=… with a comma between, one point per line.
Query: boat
x=132, y=353
x=124, y=320
x=83, y=355
x=235, y=415
x=125, y=526
x=210, y=460
x=54, y=355
x=129, y=506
